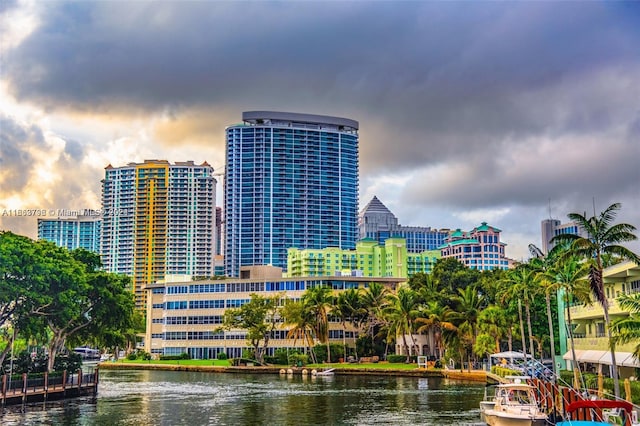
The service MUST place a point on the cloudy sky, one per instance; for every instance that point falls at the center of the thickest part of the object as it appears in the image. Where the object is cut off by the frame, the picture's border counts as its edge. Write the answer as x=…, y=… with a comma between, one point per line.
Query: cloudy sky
x=469, y=112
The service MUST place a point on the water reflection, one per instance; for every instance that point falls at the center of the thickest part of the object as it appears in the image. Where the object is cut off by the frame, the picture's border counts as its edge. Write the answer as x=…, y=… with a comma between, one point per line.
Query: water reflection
x=184, y=398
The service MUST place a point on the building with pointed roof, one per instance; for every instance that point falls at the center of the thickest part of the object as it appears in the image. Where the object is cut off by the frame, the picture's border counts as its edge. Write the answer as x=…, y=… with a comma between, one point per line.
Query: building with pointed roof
x=377, y=222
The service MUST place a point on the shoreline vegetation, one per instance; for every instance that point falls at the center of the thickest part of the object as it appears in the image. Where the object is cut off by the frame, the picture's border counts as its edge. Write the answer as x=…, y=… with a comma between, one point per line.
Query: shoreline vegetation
x=216, y=366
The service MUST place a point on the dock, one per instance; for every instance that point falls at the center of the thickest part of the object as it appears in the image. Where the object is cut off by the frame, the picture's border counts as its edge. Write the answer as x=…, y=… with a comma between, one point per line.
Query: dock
x=45, y=388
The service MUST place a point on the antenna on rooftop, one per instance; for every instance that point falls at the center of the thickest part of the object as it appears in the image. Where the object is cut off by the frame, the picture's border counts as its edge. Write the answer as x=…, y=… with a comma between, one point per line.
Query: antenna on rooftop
x=550, y=209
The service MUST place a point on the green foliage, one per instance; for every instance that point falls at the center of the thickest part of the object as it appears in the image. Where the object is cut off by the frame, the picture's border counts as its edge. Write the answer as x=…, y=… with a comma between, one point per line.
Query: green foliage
x=221, y=356
x=70, y=361
x=298, y=359
x=133, y=356
x=504, y=371
x=393, y=358
x=182, y=356
x=337, y=351
x=259, y=318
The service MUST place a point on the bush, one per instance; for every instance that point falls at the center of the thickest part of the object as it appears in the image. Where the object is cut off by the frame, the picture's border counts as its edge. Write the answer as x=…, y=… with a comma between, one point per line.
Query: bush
x=503, y=371
x=393, y=358
x=221, y=356
x=183, y=355
x=70, y=362
x=132, y=356
x=296, y=359
x=146, y=356
x=337, y=351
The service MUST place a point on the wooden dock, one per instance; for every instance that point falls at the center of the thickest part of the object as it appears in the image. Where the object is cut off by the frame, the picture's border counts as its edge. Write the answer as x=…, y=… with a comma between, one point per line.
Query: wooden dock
x=47, y=388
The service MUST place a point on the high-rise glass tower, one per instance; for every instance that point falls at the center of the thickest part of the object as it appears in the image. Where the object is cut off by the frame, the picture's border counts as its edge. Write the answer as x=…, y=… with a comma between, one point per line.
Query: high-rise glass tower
x=82, y=231
x=158, y=219
x=291, y=181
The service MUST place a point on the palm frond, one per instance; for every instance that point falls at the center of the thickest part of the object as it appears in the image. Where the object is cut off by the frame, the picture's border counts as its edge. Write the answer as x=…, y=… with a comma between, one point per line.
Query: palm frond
x=597, y=284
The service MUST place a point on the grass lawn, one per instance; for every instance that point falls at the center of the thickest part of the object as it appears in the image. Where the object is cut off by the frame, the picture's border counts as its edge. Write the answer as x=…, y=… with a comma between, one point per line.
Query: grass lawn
x=226, y=363
x=216, y=362
x=379, y=366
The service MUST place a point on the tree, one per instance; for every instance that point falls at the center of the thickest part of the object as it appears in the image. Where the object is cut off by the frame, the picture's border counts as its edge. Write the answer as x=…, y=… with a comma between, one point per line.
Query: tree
x=450, y=275
x=22, y=282
x=318, y=301
x=400, y=314
x=301, y=321
x=80, y=298
x=568, y=276
x=436, y=317
x=349, y=308
x=493, y=322
x=374, y=299
x=603, y=238
x=627, y=330
x=259, y=317
x=520, y=283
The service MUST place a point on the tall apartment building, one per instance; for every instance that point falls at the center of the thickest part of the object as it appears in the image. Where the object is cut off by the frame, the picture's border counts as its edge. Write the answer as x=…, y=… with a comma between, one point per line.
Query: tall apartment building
x=479, y=248
x=161, y=221
x=377, y=222
x=291, y=180
x=369, y=259
x=552, y=227
x=81, y=231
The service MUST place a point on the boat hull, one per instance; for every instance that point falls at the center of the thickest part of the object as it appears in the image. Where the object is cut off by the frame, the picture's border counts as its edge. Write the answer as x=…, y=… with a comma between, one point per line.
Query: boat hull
x=499, y=419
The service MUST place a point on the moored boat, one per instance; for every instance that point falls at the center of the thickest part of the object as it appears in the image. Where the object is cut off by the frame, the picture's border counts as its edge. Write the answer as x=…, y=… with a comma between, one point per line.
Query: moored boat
x=514, y=404
x=600, y=412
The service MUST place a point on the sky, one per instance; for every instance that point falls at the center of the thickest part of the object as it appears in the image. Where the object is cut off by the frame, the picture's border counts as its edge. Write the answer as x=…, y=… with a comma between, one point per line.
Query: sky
x=504, y=112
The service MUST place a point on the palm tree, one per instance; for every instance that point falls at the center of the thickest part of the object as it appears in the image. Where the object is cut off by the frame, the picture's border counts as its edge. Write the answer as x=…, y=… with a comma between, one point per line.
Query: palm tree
x=301, y=321
x=602, y=240
x=493, y=321
x=469, y=303
x=318, y=301
x=569, y=277
x=627, y=330
x=374, y=300
x=436, y=317
x=401, y=313
x=349, y=308
x=520, y=283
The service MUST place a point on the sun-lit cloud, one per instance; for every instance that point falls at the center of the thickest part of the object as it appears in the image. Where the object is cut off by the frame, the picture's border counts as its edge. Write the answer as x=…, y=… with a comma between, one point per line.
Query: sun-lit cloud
x=468, y=112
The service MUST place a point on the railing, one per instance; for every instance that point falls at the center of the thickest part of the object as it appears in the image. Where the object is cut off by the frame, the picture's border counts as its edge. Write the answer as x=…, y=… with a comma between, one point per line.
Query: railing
x=19, y=388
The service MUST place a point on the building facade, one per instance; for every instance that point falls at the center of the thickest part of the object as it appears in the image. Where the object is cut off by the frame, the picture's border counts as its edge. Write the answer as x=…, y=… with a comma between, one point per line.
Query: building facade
x=161, y=220
x=588, y=326
x=186, y=316
x=81, y=231
x=369, y=259
x=291, y=180
x=479, y=248
x=553, y=227
x=377, y=222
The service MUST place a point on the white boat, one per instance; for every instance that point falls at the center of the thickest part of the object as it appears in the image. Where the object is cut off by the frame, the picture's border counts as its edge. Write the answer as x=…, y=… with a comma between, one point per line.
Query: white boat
x=514, y=404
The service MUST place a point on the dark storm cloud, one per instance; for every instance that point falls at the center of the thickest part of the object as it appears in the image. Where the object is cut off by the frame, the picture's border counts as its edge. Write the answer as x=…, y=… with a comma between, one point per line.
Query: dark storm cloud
x=16, y=162
x=441, y=79
x=491, y=104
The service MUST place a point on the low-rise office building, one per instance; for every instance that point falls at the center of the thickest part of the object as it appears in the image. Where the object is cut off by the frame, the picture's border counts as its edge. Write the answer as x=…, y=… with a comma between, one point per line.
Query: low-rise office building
x=369, y=259
x=185, y=316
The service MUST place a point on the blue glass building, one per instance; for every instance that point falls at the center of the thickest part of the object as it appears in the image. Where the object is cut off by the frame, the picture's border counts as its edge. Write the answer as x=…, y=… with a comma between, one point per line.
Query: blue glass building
x=291, y=181
x=82, y=231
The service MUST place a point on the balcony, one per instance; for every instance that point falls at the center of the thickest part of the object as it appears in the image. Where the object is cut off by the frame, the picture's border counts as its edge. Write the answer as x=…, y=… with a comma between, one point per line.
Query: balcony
x=582, y=312
x=600, y=344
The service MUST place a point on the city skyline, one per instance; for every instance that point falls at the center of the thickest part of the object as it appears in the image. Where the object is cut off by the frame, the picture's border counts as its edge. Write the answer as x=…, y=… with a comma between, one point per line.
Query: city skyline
x=504, y=113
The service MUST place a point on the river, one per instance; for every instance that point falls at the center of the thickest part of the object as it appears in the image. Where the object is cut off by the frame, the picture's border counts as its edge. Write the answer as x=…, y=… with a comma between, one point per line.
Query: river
x=128, y=397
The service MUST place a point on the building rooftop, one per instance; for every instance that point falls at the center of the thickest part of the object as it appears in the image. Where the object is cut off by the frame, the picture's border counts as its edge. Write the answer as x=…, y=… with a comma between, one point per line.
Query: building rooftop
x=274, y=117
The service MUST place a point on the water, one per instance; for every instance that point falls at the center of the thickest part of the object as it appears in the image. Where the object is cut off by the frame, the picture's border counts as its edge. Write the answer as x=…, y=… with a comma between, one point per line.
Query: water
x=184, y=398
